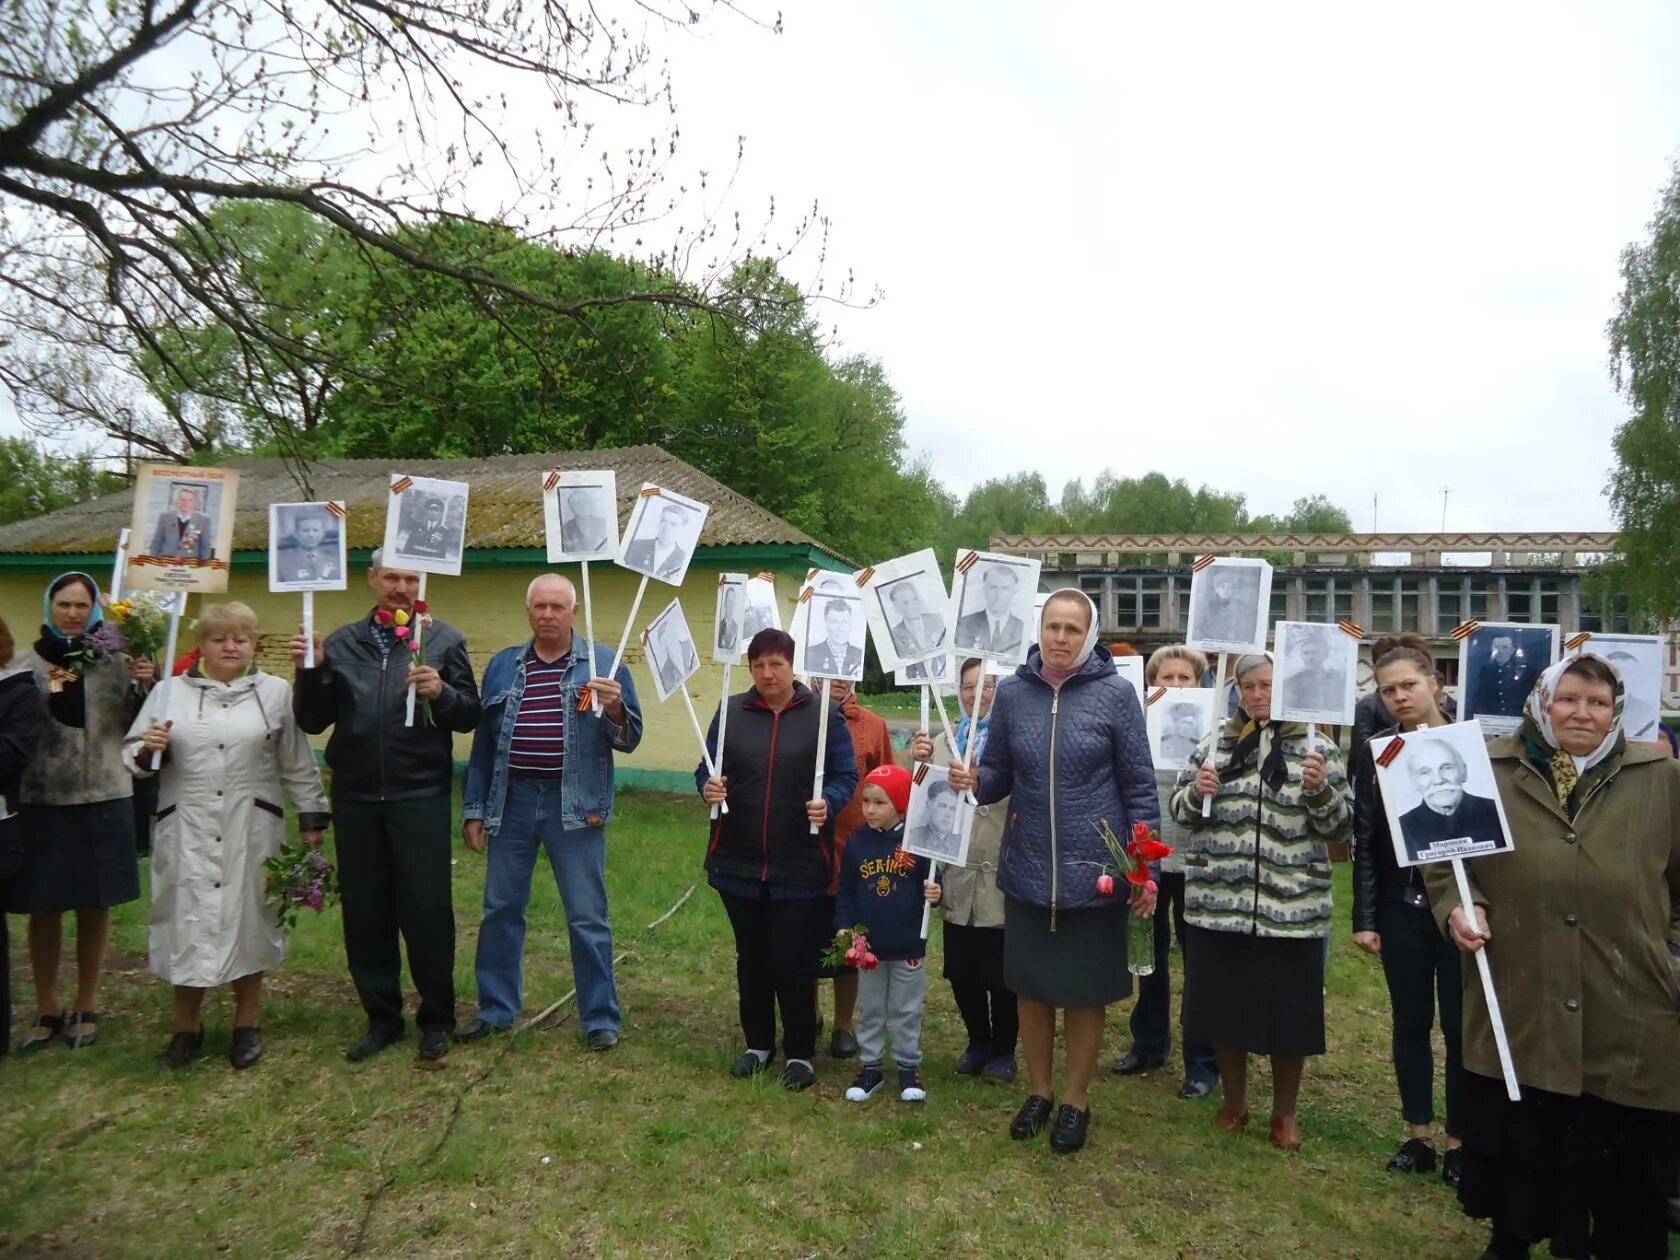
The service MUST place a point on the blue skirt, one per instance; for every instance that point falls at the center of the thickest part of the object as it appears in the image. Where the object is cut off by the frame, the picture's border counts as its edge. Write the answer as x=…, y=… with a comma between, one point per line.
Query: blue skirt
x=1081, y=964
x=76, y=857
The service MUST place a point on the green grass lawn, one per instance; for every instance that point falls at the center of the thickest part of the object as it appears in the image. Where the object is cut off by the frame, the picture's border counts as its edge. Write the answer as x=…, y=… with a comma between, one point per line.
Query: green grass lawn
x=532, y=1146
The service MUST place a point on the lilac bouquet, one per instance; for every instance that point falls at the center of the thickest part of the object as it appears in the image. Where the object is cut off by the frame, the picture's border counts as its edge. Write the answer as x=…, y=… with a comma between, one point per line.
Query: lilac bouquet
x=299, y=878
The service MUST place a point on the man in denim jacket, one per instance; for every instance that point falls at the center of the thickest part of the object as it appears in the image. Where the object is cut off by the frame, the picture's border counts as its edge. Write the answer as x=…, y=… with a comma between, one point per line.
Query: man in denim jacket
x=541, y=775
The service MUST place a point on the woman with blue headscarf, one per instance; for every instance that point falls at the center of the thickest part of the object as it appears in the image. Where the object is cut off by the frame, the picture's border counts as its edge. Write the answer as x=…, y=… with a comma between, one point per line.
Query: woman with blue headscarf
x=77, y=822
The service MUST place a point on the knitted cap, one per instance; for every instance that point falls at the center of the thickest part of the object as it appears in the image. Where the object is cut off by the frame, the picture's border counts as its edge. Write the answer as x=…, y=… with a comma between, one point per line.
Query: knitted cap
x=895, y=782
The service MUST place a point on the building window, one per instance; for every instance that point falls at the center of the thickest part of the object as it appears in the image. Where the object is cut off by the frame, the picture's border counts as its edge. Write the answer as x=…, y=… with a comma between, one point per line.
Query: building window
x=1341, y=599
x=1519, y=599
x=1315, y=598
x=1097, y=588
x=1449, y=604
x=1480, y=592
x=1279, y=610
x=1594, y=618
x=1547, y=590
x=1183, y=586
x=1151, y=592
x=1411, y=604
x=1383, y=599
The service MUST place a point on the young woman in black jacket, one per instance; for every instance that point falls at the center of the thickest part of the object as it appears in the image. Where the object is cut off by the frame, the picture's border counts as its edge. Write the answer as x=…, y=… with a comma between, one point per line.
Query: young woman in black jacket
x=1392, y=919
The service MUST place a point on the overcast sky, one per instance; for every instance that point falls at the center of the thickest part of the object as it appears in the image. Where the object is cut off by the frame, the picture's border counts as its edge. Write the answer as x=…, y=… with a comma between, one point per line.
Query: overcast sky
x=1289, y=249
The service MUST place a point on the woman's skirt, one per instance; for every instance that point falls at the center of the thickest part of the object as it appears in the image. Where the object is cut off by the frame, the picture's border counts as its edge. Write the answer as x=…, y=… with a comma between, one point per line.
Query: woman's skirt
x=1592, y=1176
x=78, y=857
x=1261, y=994
x=1081, y=964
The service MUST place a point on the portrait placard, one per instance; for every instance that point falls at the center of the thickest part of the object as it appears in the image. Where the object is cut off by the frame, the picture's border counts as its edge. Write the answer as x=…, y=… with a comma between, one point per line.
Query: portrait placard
x=1498, y=664
x=181, y=535
x=1229, y=602
x=670, y=650
x=908, y=609
x=580, y=515
x=936, y=825
x=762, y=610
x=1179, y=718
x=1131, y=669
x=1639, y=660
x=1315, y=674
x=829, y=627
x=1037, y=618
x=306, y=546
x=729, y=637
x=992, y=605
x=662, y=533
x=939, y=669
x=1439, y=794
x=425, y=525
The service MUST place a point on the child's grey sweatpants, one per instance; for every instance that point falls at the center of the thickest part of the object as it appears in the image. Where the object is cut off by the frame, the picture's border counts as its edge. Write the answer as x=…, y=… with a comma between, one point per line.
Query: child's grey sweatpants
x=891, y=996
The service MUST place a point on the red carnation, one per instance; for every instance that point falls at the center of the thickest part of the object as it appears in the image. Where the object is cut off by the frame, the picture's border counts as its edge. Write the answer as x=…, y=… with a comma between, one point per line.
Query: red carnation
x=1141, y=832
x=1137, y=875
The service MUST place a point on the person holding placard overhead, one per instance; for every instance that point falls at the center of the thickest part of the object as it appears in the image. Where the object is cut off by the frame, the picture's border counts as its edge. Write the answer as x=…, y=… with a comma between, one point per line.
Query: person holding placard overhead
x=76, y=816
x=1257, y=896
x=1581, y=923
x=541, y=777
x=391, y=799
x=771, y=871
x=1068, y=746
x=1391, y=919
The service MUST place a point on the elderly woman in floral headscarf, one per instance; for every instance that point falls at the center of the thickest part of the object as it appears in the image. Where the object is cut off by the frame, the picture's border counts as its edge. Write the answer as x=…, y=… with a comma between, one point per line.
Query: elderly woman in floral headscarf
x=1257, y=895
x=77, y=823
x=1581, y=923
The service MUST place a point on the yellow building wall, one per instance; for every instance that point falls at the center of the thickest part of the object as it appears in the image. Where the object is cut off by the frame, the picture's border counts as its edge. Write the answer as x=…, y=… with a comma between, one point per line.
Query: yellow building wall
x=488, y=606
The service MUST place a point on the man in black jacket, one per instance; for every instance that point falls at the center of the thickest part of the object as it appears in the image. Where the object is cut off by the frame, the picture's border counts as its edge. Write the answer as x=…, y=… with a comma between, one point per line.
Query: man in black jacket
x=391, y=801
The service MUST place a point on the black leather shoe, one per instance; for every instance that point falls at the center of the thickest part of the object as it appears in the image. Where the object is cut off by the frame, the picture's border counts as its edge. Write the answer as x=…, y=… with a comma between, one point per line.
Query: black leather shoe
x=842, y=1045
x=749, y=1064
x=1452, y=1166
x=1029, y=1122
x=1195, y=1089
x=1067, y=1135
x=798, y=1076
x=375, y=1041
x=601, y=1038
x=477, y=1031
x=434, y=1044
x=183, y=1049
x=1134, y=1064
x=1414, y=1156
x=246, y=1047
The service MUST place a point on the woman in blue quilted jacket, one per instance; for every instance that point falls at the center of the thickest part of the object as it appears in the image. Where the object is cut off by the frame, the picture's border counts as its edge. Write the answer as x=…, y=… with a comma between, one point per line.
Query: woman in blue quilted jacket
x=1068, y=747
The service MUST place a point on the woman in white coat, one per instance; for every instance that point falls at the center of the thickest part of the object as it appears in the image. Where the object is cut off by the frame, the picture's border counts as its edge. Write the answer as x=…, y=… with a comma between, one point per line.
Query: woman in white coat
x=230, y=744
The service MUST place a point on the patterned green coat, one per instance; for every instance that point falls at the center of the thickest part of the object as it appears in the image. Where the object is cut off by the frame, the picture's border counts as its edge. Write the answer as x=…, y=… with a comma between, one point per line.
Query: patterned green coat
x=1260, y=865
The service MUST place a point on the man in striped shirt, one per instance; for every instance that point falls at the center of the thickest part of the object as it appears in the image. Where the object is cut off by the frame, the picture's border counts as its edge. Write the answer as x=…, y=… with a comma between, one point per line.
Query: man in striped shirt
x=541, y=776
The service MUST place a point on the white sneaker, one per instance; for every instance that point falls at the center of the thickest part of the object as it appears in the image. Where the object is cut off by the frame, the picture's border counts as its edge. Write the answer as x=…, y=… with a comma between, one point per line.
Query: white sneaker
x=910, y=1084
x=866, y=1085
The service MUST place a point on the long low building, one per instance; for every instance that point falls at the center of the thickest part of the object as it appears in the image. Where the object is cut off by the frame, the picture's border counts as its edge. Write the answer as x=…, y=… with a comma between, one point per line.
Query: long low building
x=505, y=549
x=1426, y=583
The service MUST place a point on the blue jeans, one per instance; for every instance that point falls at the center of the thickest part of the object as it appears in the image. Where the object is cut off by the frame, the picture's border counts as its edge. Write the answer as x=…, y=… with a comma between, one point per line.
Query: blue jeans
x=531, y=817
x=1151, y=1022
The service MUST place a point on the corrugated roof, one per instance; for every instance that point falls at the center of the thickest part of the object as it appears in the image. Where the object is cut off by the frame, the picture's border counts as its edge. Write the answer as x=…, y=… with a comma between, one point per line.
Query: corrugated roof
x=504, y=508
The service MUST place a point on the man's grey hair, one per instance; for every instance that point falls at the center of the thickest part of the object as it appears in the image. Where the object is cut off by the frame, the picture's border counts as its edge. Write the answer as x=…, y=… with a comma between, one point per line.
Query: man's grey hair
x=377, y=559
x=1457, y=757
x=550, y=577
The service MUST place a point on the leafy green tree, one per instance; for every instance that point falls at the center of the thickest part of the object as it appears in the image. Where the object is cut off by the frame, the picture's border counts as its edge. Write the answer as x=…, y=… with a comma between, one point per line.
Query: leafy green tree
x=34, y=481
x=1315, y=515
x=1645, y=351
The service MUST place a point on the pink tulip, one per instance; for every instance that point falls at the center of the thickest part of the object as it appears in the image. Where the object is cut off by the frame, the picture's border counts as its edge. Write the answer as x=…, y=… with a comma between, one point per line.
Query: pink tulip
x=1105, y=884
x=1152, y=886
x=401, y=632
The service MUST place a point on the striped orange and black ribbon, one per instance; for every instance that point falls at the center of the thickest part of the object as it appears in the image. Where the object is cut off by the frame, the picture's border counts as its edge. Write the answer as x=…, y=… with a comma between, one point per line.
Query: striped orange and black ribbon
x=648, y=491
x=1202, y=562
x=921, y=772
x=1467, y=629
x=1577, y=640
x=767, y=576
x=335, y=507
x=968, y=562
x=1388, y=754
x=1155, y=695
x=863, y=576
x=401, y=484
x=1349, y=626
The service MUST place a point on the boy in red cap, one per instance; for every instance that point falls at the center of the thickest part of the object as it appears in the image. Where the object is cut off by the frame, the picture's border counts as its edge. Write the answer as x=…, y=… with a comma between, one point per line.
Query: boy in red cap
x=882, y=888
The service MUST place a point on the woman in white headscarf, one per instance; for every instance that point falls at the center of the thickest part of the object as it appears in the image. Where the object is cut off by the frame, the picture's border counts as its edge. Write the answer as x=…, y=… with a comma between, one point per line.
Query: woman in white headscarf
x=1581, y=923
x=1067, y=745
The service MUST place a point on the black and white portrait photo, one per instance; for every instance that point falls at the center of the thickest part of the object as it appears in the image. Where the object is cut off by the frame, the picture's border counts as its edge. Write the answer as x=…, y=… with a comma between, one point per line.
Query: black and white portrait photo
x=1498, y=666
x=908, y=609
x=1638, y=658
x=426, y=525
x=181, y=533
x=1229, y=602
x=936, y=824
x=662, y=533
x=936, y=669
x=729, y=638
x=762, y=611
x=1439, y=794
x=306, y=547
x=830, y=628
x=580, y=515
x=1316, y=669
x=992, y=602
x=1177, y=722
x=1039, y=601
x=671, y=656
